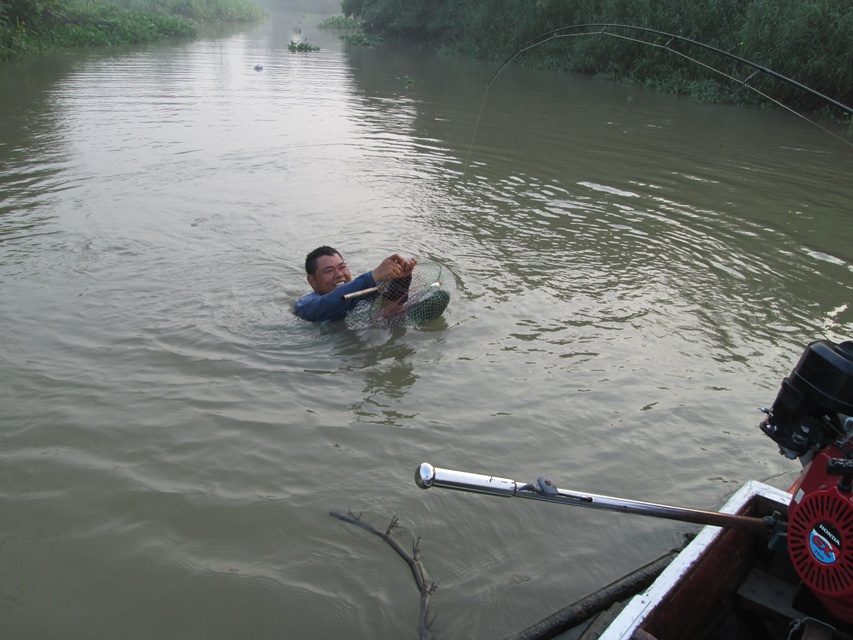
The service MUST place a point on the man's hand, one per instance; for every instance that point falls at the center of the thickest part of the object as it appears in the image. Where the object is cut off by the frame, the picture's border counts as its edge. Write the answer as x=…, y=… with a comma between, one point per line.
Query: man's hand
x=408, y=267
x=394, y=266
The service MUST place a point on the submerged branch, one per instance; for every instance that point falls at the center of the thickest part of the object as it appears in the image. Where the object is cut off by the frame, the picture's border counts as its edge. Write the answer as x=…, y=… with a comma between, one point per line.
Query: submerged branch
x=412, y=559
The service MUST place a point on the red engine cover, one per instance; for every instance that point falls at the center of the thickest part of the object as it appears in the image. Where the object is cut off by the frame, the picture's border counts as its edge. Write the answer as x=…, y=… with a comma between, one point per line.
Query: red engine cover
x=820, y=536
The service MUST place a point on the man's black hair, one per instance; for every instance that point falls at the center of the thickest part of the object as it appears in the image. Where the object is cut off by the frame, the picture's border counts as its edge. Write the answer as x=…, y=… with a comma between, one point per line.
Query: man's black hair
x=312, y=258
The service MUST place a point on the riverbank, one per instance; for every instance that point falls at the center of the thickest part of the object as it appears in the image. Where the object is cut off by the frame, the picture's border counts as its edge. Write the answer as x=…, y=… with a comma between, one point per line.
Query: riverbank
x=807, y=40
x=33, y=26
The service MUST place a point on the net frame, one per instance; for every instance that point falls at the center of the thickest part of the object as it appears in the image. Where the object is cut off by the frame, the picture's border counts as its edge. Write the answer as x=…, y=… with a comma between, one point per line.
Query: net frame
x=417, y=299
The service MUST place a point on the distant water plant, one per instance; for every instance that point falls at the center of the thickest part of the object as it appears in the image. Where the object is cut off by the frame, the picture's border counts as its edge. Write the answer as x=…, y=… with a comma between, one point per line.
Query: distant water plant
x=298, y=44
x=358, y=39
x=302, y=46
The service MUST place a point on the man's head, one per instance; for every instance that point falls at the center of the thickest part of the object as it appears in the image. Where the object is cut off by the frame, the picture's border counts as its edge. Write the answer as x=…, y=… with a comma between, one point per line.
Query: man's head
x=326, y=269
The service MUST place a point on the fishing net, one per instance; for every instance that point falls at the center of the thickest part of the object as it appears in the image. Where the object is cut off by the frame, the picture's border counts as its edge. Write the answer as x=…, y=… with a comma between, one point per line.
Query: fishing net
x=420, y=298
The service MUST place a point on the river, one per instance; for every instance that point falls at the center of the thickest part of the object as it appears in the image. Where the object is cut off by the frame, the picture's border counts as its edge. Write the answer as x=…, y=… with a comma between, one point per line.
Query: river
x=633, y=274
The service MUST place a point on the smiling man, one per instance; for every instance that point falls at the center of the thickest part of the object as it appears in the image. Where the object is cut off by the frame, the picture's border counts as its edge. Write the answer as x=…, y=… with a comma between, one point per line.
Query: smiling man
x=330, y=279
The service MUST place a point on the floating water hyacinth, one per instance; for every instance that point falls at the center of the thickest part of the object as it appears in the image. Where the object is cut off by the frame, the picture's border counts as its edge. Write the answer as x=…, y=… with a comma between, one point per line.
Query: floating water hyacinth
x=301, y=46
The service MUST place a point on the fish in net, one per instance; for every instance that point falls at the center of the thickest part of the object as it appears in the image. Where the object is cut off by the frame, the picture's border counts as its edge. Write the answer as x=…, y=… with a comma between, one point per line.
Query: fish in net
x=417, y=299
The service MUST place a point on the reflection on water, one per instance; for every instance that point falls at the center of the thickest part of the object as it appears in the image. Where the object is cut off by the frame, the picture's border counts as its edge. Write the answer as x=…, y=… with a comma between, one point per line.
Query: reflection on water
x=33, y=151
x=634, y=275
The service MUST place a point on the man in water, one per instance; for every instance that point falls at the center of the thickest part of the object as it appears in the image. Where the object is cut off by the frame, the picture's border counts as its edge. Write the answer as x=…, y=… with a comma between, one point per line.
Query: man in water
x=330, y=279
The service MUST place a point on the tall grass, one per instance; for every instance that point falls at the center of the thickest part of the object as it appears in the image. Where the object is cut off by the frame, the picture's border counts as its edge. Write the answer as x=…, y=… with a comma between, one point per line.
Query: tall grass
x=28, y=26
x=810, y=41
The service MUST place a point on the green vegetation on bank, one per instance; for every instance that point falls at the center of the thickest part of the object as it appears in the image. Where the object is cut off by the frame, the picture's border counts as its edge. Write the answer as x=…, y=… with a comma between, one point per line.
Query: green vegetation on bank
x=810, y=41
x=340, y=22
x=354, y=30
x=30, y=26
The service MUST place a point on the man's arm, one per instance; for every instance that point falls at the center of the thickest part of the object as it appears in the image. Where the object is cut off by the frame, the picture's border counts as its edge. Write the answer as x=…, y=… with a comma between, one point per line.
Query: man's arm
x=331, y=306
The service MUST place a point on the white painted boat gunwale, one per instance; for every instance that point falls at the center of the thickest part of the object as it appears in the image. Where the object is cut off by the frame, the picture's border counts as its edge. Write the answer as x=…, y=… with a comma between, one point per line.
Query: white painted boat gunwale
x=642, y=605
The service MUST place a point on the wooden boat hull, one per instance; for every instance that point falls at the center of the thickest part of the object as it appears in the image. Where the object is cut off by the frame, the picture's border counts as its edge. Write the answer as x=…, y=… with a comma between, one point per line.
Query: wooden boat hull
x=693, y=590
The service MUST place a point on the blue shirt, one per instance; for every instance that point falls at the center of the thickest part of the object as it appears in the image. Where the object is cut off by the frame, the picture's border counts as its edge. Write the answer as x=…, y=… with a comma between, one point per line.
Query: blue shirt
x=331, y=306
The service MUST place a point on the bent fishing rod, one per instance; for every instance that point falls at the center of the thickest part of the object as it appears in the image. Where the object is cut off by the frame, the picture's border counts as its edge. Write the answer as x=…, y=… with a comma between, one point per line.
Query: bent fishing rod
x=544, y=489
x=570, y=31
x=610, y=29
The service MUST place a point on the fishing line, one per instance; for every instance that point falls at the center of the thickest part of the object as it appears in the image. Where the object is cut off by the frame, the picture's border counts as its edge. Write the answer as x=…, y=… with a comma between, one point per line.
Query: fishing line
x=744, y=83
x=602, y=29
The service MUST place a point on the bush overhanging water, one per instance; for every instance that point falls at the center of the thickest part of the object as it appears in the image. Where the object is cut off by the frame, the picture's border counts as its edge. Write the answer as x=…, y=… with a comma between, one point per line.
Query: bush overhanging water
x=806, y=40
x=30, y=26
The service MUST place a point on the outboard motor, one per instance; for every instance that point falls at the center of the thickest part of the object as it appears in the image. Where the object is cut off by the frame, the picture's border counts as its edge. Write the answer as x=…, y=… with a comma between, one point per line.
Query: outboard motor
x=812, y=419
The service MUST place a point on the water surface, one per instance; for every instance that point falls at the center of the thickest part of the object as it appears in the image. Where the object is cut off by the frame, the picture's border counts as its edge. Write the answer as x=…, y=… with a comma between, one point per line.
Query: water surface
x=634, y=274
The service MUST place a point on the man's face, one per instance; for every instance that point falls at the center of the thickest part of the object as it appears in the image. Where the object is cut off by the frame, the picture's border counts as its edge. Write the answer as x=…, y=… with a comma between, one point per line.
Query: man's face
x=331, y=271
